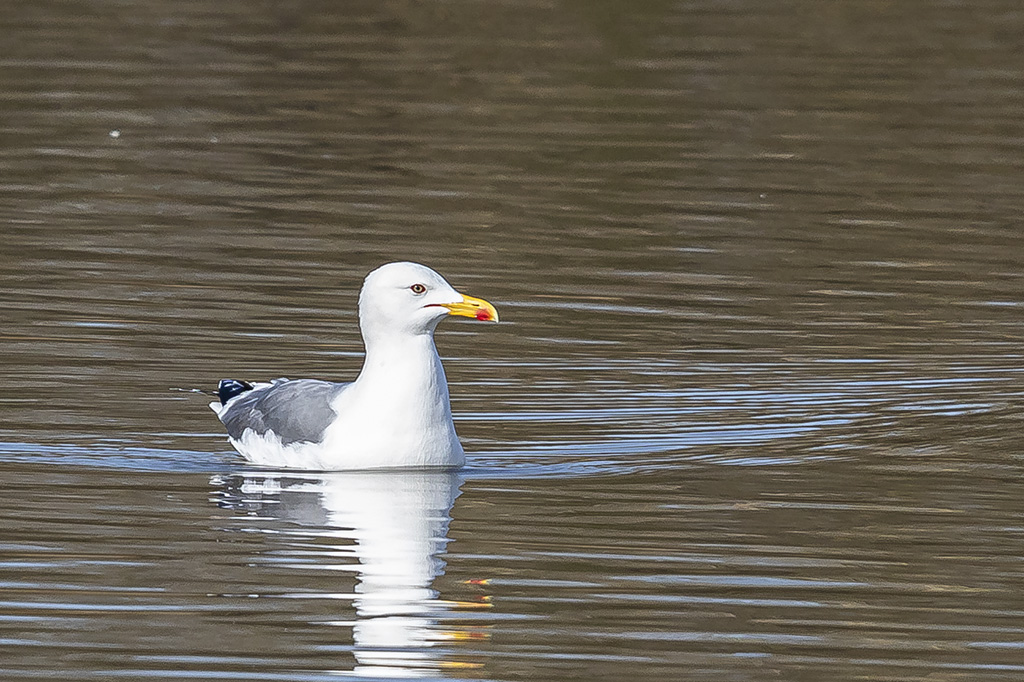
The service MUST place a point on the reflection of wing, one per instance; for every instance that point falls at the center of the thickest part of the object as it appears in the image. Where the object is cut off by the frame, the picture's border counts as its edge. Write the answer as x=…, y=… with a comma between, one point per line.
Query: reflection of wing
x=399, y=521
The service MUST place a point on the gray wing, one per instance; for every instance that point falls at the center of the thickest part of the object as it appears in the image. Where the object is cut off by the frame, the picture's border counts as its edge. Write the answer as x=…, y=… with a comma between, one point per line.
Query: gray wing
x=297, y=411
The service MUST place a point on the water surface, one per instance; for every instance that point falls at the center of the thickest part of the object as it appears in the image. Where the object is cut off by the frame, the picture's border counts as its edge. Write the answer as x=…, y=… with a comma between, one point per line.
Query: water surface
x=753, y=411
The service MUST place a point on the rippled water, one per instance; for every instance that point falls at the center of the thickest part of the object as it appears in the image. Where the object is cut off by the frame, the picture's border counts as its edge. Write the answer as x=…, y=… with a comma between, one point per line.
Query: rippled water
x=753, y=411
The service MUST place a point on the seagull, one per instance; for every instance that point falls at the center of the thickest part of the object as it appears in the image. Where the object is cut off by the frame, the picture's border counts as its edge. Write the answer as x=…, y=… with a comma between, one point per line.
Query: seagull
x=396, y=414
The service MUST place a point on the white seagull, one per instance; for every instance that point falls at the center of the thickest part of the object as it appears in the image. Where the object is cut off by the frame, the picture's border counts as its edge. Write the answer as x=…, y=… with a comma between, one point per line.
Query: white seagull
x=395, y=414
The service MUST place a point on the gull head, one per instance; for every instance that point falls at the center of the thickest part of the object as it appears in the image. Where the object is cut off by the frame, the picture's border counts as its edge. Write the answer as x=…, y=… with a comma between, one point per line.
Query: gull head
x=409, y=298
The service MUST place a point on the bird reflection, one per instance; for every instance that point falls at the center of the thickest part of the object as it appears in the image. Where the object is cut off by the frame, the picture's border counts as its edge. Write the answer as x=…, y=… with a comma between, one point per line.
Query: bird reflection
x=398, y=522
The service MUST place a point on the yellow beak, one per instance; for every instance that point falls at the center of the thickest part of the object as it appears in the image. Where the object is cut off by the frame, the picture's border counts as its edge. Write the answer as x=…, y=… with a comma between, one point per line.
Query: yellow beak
x=476, y=308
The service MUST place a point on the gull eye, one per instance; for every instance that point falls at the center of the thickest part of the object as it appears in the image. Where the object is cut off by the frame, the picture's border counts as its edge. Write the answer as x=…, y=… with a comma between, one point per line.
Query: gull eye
x=418, y=289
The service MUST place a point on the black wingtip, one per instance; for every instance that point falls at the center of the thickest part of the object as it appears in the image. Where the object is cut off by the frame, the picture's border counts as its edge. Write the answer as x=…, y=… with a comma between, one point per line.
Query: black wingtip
x=229, y=388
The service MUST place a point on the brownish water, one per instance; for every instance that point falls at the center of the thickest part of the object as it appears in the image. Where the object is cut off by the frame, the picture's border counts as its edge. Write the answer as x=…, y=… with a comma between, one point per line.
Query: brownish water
x=753, y=412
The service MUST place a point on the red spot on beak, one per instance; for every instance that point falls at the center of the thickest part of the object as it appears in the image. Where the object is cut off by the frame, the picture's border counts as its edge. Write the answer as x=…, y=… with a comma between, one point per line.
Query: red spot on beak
x=483, y=315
